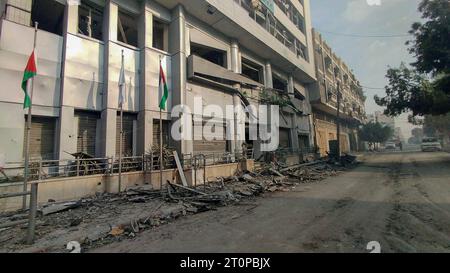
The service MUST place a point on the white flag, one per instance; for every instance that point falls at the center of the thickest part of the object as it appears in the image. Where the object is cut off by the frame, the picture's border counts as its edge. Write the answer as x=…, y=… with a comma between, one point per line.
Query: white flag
x=122, y=84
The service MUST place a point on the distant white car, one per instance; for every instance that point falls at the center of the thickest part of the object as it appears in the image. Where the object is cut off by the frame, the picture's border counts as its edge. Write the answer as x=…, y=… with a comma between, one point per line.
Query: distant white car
x=431, y=144
x=390, y=146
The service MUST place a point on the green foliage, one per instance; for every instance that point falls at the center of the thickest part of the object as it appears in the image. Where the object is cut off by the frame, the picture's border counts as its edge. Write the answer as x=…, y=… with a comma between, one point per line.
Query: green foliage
x=275, y=99
x=431, y=45
x=375, y=132
x=437, y=125
x=409, y=90
x=282, y=100
x=423, y=89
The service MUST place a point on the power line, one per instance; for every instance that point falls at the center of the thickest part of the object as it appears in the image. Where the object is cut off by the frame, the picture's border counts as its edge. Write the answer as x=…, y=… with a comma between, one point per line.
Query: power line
x=365, y=36
x=373, y=88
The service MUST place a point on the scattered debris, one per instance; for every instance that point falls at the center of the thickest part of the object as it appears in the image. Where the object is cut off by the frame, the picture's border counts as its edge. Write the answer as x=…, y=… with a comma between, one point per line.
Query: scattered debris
x=107, y=217
x=116, y=231
x=180, y=169
x=54, y=208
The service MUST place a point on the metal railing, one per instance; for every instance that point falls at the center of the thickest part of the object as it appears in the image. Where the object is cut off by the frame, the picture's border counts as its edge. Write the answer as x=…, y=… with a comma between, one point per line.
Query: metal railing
x=45, y=169
x=33, y=193
x=267, y=20
x=48, y=169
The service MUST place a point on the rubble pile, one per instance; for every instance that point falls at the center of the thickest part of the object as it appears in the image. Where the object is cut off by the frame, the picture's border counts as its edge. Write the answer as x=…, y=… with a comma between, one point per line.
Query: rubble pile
x=103, y=218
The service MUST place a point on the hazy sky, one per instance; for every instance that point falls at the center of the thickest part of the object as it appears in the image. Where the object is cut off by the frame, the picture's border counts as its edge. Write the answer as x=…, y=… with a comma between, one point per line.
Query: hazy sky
x=369, y=58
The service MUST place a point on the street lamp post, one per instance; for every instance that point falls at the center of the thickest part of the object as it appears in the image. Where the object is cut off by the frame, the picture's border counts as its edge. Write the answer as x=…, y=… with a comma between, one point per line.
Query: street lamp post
x=338, y=121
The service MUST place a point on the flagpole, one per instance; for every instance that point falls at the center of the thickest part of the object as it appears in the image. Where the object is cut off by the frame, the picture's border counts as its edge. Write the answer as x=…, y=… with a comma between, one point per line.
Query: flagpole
x=161, y=164
x=121, y=132
x=27, y=143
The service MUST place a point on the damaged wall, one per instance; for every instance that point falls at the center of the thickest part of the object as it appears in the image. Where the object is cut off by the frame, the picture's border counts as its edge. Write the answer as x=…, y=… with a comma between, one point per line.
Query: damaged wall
x=16, y=44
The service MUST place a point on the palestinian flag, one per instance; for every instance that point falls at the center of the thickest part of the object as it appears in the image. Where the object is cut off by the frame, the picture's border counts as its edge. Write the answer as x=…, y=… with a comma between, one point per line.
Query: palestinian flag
x=163, y=88
x=30, y=72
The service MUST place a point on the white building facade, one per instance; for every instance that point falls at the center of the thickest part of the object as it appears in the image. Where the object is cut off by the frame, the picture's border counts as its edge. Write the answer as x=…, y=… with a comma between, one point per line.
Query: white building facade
x=228, y=52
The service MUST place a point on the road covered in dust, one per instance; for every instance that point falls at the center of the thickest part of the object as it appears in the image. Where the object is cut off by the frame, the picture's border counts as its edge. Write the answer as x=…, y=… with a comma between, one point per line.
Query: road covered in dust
x=400, y=200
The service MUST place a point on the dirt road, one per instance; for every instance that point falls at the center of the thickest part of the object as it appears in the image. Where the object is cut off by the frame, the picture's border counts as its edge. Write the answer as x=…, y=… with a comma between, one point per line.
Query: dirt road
x=401, y=200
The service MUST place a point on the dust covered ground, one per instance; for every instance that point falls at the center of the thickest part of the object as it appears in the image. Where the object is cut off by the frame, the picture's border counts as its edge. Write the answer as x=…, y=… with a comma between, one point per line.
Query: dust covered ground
x=105, y=218
x=401, y=200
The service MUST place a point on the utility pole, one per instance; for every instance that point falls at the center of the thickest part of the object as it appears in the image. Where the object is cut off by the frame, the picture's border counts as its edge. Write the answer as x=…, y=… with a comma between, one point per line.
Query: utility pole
x=121, y=101
x=338, y=120
x=34, y=187
x=161, y=161
x=27, y=142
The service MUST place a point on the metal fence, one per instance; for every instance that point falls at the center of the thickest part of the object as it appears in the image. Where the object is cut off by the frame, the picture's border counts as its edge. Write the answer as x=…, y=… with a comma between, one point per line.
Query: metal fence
x=47, y=169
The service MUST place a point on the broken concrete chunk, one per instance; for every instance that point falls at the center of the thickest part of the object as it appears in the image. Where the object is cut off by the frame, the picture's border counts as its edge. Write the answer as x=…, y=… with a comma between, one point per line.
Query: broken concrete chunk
x=247, y=177
x=172, y=212
x=55, y=208
x=97, y=232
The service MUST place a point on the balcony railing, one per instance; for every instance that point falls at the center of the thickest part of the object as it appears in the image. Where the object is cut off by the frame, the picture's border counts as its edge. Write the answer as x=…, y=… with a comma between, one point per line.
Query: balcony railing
x=292, y=13
x=267, y=20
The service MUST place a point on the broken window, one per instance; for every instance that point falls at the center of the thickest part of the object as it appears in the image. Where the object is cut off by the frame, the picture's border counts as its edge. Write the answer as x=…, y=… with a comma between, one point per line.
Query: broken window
x=213, y=55
x=303, y=142
x=90, y=20
x=298, y=95
x=279, y=83
x=328, y=63
x=301, y=50
x=160, y=35
x=87, y=131
x=165, y=132
x=128, y=122
x=284, y=138
x=49, y=14
x=127, y=29
x=252, y=70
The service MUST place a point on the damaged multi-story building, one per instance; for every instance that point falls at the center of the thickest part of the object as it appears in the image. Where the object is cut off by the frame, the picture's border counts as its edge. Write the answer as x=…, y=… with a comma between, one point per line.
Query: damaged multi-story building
x=334, y=76
x=228, y=52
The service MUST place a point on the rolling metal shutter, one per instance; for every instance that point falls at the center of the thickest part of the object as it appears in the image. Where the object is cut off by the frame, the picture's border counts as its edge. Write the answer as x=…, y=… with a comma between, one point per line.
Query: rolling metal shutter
x=42, y=138
x=165, y=133
x=127, y=143
x=205, y=146
x=87, y=131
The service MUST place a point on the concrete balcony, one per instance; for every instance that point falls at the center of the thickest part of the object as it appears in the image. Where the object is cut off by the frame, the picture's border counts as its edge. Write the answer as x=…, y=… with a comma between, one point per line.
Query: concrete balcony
x=231, y=19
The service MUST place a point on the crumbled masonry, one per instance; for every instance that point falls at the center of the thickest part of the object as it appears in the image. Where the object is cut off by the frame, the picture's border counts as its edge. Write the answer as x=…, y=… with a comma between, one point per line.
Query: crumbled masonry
x=106, y=218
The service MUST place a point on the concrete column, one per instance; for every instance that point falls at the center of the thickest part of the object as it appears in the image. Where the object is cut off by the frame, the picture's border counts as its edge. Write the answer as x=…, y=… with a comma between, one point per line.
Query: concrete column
x=238, y=119
x=294, y=132
x=145, y=27
x=268, y=80
x=66, y=134
x=235, y=57
x=290, y=86
x=177, y=48
x=268, y=83
x=72, y=18
x=145, y=117
x=109, y=109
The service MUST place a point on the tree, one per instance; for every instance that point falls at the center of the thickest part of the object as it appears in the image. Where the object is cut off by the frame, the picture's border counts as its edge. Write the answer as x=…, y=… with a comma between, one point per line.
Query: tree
x=423, y=88
x=438, y=126
x=375, y=132
x=431, y=45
